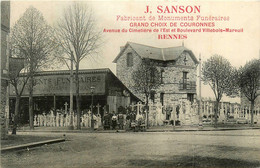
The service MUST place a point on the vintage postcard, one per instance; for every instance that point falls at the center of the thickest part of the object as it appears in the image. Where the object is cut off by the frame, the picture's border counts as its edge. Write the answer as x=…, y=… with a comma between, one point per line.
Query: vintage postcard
x=130, y=83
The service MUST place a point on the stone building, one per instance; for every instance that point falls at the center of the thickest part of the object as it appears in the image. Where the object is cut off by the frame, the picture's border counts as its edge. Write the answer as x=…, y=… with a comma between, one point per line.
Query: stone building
x=177, y=67
x=5, y=29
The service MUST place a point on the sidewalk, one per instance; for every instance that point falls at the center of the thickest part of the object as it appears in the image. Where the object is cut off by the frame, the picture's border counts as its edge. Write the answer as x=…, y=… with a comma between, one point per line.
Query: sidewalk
x=21, y=142
x=199, y=128
x=167, y=128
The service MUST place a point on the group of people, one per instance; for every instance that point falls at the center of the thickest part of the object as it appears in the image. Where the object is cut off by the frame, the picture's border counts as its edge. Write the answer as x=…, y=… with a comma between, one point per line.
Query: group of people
x=122, y=121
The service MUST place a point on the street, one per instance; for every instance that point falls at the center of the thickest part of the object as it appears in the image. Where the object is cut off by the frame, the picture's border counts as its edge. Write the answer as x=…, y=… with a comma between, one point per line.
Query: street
x=239, y=148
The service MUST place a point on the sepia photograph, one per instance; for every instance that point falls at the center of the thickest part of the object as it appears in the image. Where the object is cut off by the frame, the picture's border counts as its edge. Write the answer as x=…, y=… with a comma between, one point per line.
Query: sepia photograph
x=110, y=83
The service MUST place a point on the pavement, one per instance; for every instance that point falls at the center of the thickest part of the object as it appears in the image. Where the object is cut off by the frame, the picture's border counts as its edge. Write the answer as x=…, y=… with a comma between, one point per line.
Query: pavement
x=230, y=148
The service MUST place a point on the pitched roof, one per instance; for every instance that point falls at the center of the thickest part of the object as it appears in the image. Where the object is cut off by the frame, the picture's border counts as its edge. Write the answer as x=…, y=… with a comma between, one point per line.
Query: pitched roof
x=161, y=54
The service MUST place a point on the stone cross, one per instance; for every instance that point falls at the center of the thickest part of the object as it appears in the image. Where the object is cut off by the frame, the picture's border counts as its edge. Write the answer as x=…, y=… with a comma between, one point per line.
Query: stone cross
x=98, y=108
x=132, y=106
x=66, y=107
x=138, y=107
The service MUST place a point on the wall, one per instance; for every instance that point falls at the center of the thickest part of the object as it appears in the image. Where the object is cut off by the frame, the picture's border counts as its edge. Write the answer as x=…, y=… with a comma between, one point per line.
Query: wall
x=5, y=28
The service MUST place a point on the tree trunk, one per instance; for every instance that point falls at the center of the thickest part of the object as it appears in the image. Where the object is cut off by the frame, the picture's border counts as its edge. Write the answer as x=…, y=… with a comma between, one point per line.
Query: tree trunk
x=252, y=112
x=16, y=113
x=216, y=114
x=77, y=96
x=31, y=102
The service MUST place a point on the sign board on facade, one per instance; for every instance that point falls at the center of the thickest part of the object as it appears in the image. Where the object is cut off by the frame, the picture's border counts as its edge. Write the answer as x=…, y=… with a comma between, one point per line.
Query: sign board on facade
x=47, y=85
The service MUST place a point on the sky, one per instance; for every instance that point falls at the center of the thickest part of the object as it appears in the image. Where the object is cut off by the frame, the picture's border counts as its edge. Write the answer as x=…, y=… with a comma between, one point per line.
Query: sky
x=238, y=48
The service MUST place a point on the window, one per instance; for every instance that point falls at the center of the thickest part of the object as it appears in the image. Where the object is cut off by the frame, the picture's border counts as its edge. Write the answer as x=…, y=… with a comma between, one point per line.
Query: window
x=161, y=97
x=184, y=78
x=129, y=60
x=162, y=71
x=152, y=73
x=152, y=96
x=190, y=97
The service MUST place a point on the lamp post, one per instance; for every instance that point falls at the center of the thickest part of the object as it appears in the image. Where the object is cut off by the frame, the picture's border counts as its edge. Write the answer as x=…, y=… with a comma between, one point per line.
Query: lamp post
x=92, y=94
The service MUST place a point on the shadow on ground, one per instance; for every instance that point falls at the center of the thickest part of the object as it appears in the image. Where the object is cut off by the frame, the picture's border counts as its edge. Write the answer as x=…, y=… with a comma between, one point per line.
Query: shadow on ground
x=196, y=161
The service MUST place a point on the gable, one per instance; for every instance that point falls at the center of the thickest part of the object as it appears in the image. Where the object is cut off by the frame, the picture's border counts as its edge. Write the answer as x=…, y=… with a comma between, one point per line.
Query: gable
x=161, y=54
x=186, y=59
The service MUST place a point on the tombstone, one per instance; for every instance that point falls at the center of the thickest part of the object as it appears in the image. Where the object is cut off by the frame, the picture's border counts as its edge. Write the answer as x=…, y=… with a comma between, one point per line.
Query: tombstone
x=84, y=118
x=195, y=114
x=74, y=120
x=35, y=120
x=152, y=115
x=173, y=115
x=210, y=112
x=47, y=120
x=221, y=113
x=52, y=118
x=132, y=106
x=61, y=120
x=44, y=120
x=98, y=108
x=181, y=111
x=138, y=107
x=39, y=122
x=57, y=120
x=159, y=113
x=99, y=115
x=236, y=112
x=246, y=113
x=66, y=107
x=258, y=115
x=207, y=110
x=89, y=118
x=99, y=122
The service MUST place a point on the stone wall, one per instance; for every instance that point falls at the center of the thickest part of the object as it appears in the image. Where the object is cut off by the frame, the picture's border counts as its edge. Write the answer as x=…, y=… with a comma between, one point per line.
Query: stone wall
x=5, y=28
x=3, y=108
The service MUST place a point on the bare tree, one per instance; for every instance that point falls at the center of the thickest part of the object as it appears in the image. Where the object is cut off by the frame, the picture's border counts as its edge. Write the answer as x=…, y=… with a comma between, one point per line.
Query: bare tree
x=146, y=79
x=219, y=74
x=15, y=80
x=31, y=39
x=77, y=34
x=249, y=82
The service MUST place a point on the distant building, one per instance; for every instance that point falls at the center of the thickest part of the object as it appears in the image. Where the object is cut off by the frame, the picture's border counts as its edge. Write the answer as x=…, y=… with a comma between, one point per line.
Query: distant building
x=52, y=91
x=5, y=29
x=177, y=65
